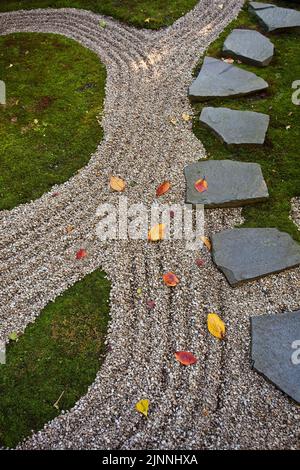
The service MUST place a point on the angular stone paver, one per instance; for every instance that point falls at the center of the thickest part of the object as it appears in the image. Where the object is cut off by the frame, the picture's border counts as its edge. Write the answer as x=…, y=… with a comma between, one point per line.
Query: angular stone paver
x=230, y=183
x=218, y=79
x=275, y=18
x=236, y=127
x=249, y=46
x=250, y=253
x=276, y=350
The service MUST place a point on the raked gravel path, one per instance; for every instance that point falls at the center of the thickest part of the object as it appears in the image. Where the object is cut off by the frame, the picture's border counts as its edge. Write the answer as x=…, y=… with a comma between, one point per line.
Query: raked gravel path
x=219, y=402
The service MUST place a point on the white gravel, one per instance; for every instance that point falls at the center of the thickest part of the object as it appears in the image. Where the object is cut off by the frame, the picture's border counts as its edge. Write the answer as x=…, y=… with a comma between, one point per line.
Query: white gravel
x=218, y=403
x=295, y=211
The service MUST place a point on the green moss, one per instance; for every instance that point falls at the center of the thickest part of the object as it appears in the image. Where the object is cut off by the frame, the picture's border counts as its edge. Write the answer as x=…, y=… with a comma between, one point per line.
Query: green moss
x=279, y=157
x=60, y=352
x=48, y=128
x=134, y=12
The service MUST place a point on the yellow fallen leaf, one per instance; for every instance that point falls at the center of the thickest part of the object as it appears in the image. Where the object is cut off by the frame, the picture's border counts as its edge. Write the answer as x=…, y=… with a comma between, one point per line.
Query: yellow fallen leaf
x=157, y=233
x=186, y=117
x=206, y=242
x=216, y=326
x=173, y=120
x=142, y=407
x=117, y=184
x=147, y=20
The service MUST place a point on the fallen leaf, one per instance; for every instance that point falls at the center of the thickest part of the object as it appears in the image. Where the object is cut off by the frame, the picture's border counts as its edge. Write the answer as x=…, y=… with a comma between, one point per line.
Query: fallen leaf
x=81, y=254
x=288, y=127
x=206, y=242
x=173, y=120
x=69, y=228
x=55, y=194
x=200, y=262
x=102, y=24
x=142, y=407
x=139, y=291
x=186, y=117
x=147, y=20
x=157, y=233
x=170, y=279
x=117, y=184
x=58, y=400
x=216, y=326
x=185, y=358
x=151, y=304
x=14, y=119
x=229, y=60
x=13, y=336
x=201, y=185
x=163, y=188
x=172, y=214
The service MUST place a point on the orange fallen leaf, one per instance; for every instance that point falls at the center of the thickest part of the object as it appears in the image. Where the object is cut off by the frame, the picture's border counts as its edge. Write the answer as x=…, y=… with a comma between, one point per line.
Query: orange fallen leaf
x=170, y=279
x=117, y=184
x=157, y=233
x=163, y=188
x=81, y=253
x=206, y=242
x=185, y=358
x=201, y=185
x=69, y=228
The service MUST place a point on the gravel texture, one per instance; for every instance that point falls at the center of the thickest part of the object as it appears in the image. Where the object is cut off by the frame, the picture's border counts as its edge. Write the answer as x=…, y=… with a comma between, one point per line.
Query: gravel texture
x=295, y=212
x=218, y=403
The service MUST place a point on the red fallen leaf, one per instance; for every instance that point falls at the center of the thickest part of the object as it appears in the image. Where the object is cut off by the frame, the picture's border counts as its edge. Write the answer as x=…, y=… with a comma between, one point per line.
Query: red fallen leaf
x=151, y=304
x=172, y=214
x=200, y=262
x=185, y=358
x=170, y=279
x=54, y=194
x=201, y=185
x=163, y=188
x=81, y=254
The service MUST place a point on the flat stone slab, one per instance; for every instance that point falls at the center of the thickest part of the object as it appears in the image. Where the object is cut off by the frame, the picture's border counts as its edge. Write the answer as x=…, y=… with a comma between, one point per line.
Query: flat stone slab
x=244, y=254
x=275, y=18
x=236, y=127
x=229, y=183
x=218, y=79
x=249, y=46
x=276, y=350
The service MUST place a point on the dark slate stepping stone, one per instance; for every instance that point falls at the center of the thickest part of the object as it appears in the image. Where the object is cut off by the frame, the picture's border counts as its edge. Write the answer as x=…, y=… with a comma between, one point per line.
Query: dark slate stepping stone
x=249, y=46
x=250, y=253
x=230, y=183
x=275, y=18
x=218, y=79
x=276, y=350
x=236, y=127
